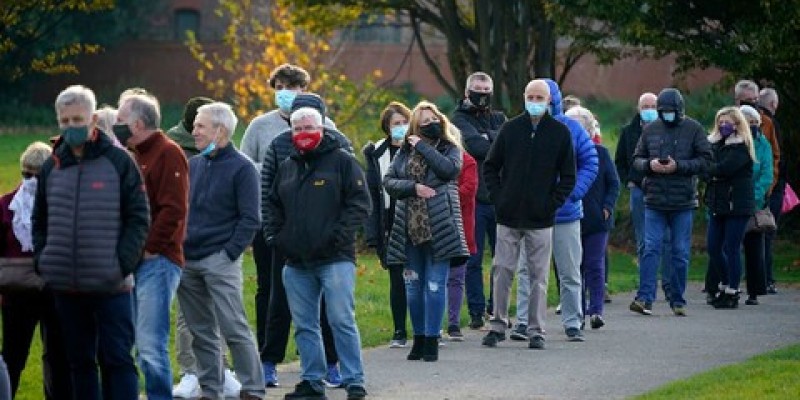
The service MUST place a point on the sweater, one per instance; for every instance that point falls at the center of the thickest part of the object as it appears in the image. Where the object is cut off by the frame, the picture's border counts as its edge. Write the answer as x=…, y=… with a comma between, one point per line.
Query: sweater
x=602, y=196
x=223, y=204
x=530, y=171
x=166, y=178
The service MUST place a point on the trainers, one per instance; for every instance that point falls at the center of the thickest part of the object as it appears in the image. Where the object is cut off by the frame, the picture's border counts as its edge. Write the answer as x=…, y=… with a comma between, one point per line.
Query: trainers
x=771, y=289
x=596, y=321
x=231, y=387
x=641, y=307
x=454, y=333
x=520, y=332
x=356, y=392
x=491, y=338
x=398, y=340
x=333, y=379
x=558, y=309
x=188, y=387
x=751, y=301
x=574, y=335
x=476, y=321
x=536, y=342
x=679, y=310
x=270, y=374
x=306, y=390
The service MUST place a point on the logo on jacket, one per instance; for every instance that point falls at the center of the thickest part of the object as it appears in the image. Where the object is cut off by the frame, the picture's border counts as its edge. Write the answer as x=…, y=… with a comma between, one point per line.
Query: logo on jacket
x=98, y=185
x=319, y=182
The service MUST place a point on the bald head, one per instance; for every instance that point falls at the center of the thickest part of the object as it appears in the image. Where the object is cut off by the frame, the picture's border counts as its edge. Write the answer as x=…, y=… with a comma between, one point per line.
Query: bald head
x=647, y=101
x=537, y=91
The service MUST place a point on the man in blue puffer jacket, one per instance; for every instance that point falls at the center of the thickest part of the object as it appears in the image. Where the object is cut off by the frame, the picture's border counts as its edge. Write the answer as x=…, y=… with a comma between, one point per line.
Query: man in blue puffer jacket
x=567, y=249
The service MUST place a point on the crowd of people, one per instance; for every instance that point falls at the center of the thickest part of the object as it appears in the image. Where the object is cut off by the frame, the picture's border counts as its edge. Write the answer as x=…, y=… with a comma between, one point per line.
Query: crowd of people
x=114, y=219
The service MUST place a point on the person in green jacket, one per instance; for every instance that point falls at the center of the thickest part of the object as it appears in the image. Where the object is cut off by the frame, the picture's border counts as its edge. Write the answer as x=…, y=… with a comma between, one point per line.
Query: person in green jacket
x=181, y=133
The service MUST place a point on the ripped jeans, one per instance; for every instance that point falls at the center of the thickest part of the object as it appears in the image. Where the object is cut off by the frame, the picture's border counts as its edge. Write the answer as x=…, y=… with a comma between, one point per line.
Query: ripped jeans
x=426, y=288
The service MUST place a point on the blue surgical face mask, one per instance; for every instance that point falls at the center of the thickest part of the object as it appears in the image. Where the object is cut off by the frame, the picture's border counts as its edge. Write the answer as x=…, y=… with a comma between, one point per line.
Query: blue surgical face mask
x=210, y=147
x=535, y=109
x=284, y=99
x=648, y=115
x=75, y=136
x=398, y=132
x=668, y=116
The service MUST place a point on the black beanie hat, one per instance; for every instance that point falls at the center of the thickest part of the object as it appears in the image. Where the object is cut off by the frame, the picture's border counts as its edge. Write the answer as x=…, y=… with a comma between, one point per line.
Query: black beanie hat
x=190, y=111
x=309, y=100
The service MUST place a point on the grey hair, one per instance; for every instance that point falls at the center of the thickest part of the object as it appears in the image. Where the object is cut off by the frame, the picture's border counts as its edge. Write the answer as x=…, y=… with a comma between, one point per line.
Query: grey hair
x=767, y=96
x=750, y=112
x=584, y=117
x=480, y=76
x=221, y=114
x=305, y=112
x=743, y=85
x=35, y=155
x=145, y=108
x=76, y=94
x=106, y=118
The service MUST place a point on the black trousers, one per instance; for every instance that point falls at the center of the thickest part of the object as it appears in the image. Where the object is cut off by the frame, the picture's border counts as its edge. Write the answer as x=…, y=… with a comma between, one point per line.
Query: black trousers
x=21, y=312
x=754, y=263
x=397, y=298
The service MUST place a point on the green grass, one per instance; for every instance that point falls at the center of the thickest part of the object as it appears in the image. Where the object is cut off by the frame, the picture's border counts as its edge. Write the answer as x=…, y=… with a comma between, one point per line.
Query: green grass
x=771, y=375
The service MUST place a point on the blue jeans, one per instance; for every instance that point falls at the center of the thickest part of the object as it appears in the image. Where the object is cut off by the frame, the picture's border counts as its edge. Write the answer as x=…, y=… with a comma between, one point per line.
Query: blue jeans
x=99, y=327
x=426, y=289
x=677, y=224
x=485, y=227
x=304, y=288
x=157, y=280
x=724, y=240
x=637, y=217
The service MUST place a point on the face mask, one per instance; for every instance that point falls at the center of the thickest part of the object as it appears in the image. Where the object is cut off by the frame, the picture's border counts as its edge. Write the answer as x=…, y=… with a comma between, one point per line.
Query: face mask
x=535, y=109
x=284, y=99
x=432, y=130
x=755, y=130
x=307, y=140
x=726, y=130
x=210, y=147
x=648, y=115
x=122, y=132
x=479, y=99
x=75, y=136
x=398, y=132
x=29, y=185
x=668, y=116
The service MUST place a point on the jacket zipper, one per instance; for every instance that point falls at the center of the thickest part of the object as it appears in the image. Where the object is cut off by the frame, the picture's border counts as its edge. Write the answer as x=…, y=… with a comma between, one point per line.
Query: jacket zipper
x=76, y=209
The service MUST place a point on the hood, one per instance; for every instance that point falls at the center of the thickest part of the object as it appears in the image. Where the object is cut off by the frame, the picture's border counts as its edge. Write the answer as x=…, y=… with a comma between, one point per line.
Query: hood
x=555, y=98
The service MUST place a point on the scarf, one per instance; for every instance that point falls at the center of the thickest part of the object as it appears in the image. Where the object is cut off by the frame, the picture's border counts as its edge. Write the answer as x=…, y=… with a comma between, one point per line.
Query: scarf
x=22, y=206
x=419, y=227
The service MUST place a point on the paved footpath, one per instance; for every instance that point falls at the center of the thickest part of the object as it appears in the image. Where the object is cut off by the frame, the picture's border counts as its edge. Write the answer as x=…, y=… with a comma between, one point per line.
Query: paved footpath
x=632, y=354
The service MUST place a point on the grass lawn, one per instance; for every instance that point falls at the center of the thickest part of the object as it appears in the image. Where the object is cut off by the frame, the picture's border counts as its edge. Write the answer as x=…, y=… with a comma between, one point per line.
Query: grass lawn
x=771, y=375
x=372, y=298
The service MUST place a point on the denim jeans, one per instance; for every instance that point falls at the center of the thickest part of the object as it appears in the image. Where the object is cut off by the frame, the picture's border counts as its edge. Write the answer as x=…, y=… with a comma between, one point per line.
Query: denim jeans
x=724, y=239
x=637, y=218
x=656, y=225
x=304, y=289
x=157, y=280
x=426, y=289
x=98, y=329
x=485, y=228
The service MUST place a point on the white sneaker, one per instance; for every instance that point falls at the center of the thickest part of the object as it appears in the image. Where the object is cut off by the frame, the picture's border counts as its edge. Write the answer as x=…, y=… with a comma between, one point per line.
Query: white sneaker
x=231, y=387
x=187, y=388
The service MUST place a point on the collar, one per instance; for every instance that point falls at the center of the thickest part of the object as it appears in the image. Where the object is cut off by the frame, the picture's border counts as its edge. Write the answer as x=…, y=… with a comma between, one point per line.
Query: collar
x=221, y=152
x=154, y=141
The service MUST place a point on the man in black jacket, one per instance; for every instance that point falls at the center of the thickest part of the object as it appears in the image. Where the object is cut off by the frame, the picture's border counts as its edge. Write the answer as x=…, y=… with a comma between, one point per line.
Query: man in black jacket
x=529, y=172
x=479, y=125
x=318, y=200
x=671, y=153
x=632, y=179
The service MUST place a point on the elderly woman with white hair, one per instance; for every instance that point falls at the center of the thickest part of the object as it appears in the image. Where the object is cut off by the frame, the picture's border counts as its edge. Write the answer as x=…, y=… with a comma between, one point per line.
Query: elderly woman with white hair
x=597, y=222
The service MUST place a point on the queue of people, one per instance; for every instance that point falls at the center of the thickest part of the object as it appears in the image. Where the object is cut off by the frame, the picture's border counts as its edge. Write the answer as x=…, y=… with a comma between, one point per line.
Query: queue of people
x=116, y=219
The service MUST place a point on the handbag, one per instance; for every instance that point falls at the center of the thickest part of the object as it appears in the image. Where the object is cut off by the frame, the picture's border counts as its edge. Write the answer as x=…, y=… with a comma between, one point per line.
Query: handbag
x=18, y=274
x=761, y=221
x=790, y=199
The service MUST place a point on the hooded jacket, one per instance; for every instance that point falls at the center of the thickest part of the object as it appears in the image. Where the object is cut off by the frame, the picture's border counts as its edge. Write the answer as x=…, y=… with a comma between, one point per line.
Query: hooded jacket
x=586, y=161
x=685, y=141
x=478, y=131
x=317, y=202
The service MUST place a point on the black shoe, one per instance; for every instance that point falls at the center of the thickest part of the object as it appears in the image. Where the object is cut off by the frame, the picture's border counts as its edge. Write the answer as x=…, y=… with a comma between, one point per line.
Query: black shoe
x=574, y=335
x=476, y=321
x=454, y=333
x=430, y=350
x=726, y=301
x=596, y=321
x=641, y=307
x=520, y=332
x=536, y=342
x=416, y=348
x=356, y=392
x=710, y=298
x=771, y=289
x=751, y=301
x=306, y=390
x=491, y=338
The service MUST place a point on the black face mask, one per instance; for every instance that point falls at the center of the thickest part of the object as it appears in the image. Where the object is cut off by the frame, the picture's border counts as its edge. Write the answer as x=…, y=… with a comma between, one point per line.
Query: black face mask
x=123, y=133
x=480, y=100
x=755, y=130
x=432, y=130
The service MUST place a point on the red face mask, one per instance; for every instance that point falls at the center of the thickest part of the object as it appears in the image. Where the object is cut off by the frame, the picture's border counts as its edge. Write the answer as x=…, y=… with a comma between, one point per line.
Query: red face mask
x=307, y=140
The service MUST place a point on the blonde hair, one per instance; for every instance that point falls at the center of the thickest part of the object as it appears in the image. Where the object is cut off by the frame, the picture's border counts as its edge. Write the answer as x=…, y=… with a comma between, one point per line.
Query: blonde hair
x=742, y=128
x=34, y=156
x=106, y=118
x=585, y=118
x=447, y=128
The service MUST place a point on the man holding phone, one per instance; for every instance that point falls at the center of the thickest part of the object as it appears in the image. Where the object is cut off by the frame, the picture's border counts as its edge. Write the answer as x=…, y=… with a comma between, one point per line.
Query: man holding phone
x=672, y=151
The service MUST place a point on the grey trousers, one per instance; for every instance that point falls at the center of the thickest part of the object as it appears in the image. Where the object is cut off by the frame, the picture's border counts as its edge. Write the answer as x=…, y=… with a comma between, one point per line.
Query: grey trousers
x=210, y=295
x=538, y=245
x=187, y=364
x=568, y=254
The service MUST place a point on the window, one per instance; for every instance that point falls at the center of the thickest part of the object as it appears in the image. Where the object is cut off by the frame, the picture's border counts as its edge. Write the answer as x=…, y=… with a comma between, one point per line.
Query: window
x=186, y=20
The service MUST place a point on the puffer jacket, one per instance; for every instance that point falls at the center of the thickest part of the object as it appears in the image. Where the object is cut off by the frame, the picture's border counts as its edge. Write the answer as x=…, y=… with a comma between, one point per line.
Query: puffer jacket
x=90, y=219
x=586, y=161
x=729, y=189
x=762, y=169
x=444, y=210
